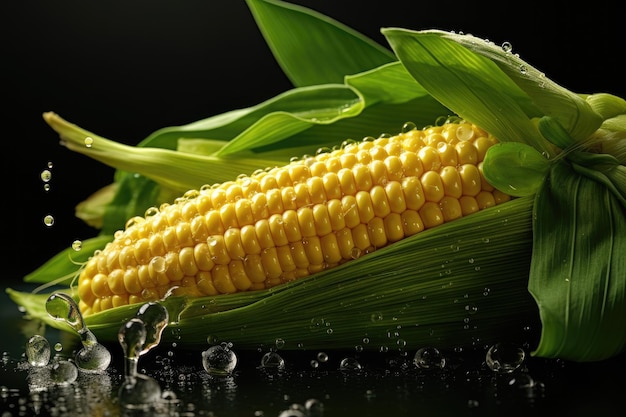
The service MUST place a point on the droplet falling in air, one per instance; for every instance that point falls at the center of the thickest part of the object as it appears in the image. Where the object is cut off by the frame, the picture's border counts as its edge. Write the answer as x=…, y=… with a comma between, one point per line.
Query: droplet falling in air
x=93, y=357
x=38, y=350
x=219, y=360
x=48, y=220
x=46, y=175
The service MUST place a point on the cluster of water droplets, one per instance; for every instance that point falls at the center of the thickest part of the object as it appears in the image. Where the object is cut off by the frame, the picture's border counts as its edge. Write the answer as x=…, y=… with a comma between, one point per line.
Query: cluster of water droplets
x=46, y=178
x=43, y=372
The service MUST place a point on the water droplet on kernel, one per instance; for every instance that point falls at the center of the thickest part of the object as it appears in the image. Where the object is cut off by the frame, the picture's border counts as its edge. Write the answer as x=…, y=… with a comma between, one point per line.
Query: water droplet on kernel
x=408, y=126
x=159, y=264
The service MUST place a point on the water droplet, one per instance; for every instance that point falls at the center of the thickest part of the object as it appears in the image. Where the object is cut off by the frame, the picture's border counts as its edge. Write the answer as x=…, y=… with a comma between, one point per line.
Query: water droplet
x=159, y=264
x=58, y=347
x=376, y=316
x=77, y=245
x=38, y=350
x=322, y=357
x=507, y=47
x=48, y=220
x=292, y=413
x=523, y=69
x=88, y=142
x=355, y=253
x=63, y=372
x=317, y=323
x=272, y=360
x=219, y=360
x=429, y=358
x=46, y=175
x=472, y=309
x=140, y=392
x=504, y=357
x=280, y=343
x=314, y=407
x=349, y=364
x=408, y=126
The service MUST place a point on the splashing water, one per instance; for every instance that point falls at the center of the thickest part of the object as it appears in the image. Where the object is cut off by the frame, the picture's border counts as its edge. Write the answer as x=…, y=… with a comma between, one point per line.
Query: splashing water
x=155, y=317
x=93, y=357
x=43, y=373
x=138, y=390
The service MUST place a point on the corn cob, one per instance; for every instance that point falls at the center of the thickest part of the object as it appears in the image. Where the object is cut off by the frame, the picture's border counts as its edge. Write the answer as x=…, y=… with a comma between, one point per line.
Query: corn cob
x=280, y=224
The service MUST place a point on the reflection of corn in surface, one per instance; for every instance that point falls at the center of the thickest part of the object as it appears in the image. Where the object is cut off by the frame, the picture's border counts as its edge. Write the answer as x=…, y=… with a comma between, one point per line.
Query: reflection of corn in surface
x=284, y=223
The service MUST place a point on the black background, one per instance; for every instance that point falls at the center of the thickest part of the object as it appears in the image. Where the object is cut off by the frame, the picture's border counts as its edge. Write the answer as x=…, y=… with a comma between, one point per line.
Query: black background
x=124, y=69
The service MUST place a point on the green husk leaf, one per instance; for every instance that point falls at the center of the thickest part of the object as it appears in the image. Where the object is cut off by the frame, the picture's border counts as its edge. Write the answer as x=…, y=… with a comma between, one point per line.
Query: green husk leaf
x=578, y=271
x=469, y=84
x=306, y=106
x=174, y=170
x=302, y=39
x=478, y=292
x=606, y=105
x=570, y=109
x=62, y=267
x=552, y=130
x=515, y=168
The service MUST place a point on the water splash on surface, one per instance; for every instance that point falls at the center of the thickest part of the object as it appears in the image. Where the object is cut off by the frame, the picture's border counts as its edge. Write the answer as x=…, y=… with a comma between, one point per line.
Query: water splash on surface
x=93, y=357
x=136, y=337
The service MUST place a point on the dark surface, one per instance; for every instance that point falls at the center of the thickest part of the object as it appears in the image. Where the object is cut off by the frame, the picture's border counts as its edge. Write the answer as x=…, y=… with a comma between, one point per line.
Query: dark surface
x=124, y=69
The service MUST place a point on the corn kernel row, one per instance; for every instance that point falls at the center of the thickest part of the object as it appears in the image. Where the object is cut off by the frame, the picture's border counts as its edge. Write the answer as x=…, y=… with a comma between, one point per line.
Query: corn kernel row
x=284, y=223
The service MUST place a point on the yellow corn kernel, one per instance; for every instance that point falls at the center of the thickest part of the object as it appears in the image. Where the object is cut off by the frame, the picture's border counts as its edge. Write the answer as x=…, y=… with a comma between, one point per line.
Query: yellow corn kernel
x=289, y=222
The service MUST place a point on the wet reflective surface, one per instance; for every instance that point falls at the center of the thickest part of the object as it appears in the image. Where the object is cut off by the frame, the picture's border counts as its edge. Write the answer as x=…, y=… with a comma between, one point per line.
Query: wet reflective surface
x=168, y=381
